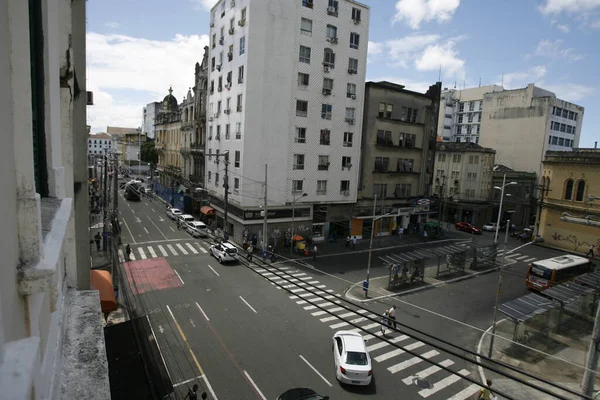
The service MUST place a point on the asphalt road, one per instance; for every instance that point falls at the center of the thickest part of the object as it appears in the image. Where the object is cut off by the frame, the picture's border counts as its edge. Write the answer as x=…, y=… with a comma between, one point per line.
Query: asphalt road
x=231, y=329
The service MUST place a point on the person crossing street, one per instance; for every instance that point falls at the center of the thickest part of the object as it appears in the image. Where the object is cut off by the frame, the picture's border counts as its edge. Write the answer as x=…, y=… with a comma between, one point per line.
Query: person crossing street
x=392, y=315
x=128, y=251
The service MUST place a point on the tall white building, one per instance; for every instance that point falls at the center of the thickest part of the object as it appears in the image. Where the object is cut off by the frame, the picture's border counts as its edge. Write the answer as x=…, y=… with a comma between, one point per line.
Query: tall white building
x=148, y=118
x=460, y=113
x=286, y=88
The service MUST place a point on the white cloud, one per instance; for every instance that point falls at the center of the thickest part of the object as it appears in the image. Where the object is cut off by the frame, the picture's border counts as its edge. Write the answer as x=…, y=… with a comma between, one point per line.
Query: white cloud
x=513, y=80
x=204, y=4
x=112, y=25
x=595, y=24
x=414, y=12
x=142, y=68
x=442, y=55
x=569, y=91
x=375, y=48
x=568, y=6
x=547, y=48
x=563, y=28
x=404, y=50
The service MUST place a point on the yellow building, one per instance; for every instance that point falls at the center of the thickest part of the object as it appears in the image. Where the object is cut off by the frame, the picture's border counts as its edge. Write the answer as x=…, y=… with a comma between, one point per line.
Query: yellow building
x=570, y=211
x=168, y=144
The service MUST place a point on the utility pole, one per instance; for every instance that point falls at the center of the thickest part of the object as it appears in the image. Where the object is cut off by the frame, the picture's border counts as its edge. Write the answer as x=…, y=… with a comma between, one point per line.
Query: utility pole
x=381, y=223
x=371, y=246
x=104, y=204
x=540, y=205
x=226, y=186
x=265, y=215
x=589, y=374
x=491, y=349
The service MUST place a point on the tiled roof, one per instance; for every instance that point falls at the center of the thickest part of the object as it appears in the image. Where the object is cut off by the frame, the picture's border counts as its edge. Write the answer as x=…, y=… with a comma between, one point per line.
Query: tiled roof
x=100, y=136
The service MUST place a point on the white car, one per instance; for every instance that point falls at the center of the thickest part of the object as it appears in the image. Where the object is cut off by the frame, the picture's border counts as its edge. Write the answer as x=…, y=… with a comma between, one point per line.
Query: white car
x=173, y=213
x=197, y=229
x=224, y=252
x=351, y=359
x=184, y=219
x=490, y=227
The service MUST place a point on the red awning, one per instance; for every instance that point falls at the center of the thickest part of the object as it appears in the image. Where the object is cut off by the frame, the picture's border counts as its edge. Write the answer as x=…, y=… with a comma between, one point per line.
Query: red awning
x=102, y=282
x=206, y=210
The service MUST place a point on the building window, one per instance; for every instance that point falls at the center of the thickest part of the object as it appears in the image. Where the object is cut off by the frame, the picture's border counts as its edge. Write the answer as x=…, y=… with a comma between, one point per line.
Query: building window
x=569, y=189
x=382, y=164
x=214, y=40
x=353, y=65
x=354, y=38
x=331, y=33
x=243, y=14
x=242, y=45
x=346, y=162
x=222, y=35
x=238, y=130
x=218, y=136
x=227, y=132
x=307, y=3
x=304, y=54
x=236, y=184
x=300, y=135
x=580, y=190
x=324, y=137
x=326, y=111
x=385, y=110
x=301, y=108
x=380, y=190
x=212, y=64
x=327, y=85
x=344, y=186
x=356, y=14
x=209, y=176
x=332, y=8
x=239, y=102
x=238, y=156
x=306, y=26
x=351, y=90
x=297, y=186
x=329, y=58
x=240, y=74
x=323, y=163
x=216, y=179
x=321, y=187
x=298, y=161
x=350, y=114
x=303, y=79
x=347, y=139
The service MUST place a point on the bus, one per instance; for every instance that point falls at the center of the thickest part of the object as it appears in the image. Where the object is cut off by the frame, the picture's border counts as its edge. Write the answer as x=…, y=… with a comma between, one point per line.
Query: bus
x=133, y=191
x=544, y=274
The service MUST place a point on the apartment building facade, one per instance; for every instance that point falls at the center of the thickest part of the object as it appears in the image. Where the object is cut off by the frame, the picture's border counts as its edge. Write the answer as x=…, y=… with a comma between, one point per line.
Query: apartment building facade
x=522, y=124
x=398, y=145
x=460, y=113
x=100, y=143
x=300, y=115
x=148, y=118
x=463, y=181
x=51, y=334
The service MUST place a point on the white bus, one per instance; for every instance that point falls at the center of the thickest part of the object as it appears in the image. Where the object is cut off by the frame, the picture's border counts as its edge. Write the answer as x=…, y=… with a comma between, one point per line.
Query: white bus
x=543, y=274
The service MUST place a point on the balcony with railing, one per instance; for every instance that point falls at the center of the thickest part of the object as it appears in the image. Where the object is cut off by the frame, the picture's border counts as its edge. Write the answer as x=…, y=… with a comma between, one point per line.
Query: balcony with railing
x=388, y=142
x=197, y=148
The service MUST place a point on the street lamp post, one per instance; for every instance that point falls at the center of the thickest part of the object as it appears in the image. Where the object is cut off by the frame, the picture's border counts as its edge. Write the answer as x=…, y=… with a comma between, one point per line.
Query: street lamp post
x=293, y=220
x=371, y=246
x=504, y=184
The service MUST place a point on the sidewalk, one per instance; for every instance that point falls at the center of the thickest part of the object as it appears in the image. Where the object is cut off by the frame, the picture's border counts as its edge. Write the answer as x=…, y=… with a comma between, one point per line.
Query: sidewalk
x=559, y=358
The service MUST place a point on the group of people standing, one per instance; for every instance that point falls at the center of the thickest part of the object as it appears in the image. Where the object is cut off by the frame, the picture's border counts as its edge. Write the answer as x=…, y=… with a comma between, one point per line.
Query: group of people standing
x=388, y=319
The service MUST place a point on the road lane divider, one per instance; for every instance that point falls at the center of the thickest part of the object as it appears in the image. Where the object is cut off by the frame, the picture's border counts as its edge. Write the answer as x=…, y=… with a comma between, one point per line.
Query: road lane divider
x=258, y=392
x=213, y=270
x=146, y=230
x=314, y=369
x=202, y=311
x=129, y=230
x=150, y=219
x=158, y=346
x=252, y=308
x=187, y=344
x=179, y=276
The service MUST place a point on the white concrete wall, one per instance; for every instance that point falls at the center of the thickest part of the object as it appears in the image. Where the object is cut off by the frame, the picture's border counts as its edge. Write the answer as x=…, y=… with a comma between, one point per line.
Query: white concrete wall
x=270, y=90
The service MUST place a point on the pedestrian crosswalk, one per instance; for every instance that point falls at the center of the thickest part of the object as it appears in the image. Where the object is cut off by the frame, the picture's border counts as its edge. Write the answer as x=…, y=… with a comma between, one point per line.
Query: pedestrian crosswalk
x=166, y=250
x=517, y=257
x=326, y=305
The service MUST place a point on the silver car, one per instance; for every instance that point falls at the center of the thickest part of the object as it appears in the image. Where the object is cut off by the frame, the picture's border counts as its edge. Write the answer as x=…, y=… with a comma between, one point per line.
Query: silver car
x=197, y=229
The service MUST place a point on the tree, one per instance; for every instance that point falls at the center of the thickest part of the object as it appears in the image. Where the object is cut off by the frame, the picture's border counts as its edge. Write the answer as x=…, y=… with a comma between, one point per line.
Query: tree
x=149, y=153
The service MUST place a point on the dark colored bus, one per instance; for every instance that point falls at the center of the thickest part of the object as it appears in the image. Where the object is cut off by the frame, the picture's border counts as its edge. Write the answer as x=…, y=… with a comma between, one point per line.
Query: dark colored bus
x=133, y=191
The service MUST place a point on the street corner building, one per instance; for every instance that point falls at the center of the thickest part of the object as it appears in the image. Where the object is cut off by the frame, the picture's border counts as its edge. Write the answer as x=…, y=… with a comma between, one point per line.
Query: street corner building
x=51, y=332
x=570, y=206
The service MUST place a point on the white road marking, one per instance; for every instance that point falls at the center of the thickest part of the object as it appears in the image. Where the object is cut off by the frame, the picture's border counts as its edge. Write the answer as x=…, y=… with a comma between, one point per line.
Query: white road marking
x=158, y=345
x=530, y=259
x=151, y=251
x=161, y=329
x=412, y=361
x=255, y=312
x=210, y=389
x=202, y=249
x=172, y=249
x=397, y=352
x=146, y=203
x=202, y=311
x=153, y=210
x=180, y=247
x=298, y=274
x=129, y=230
x=297, y=290
x=213, y=270
x=192, y=322
x=313, y=282
x=339, y=325
x=521, y=257
x=426, y=372
x=317, y=313
x=142, y=254
x=172, y=228
x=163, y=235
x=379, y=345
x=192, y=249
x=262, y=396
x=177, y=273
x=146, y=230
x=121, y=256
x=314, y=369
x=466, y=393
x=326, y=304
x=186, y=381
x=163, y=251
x=447, y=381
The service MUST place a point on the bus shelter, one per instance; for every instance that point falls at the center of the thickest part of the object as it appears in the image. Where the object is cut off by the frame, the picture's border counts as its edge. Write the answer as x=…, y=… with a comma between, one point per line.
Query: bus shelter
x=405, y=268
x=531, y=308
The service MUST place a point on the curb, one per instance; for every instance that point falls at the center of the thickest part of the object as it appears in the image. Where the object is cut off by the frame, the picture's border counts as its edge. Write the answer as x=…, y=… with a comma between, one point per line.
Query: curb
x=478, y=358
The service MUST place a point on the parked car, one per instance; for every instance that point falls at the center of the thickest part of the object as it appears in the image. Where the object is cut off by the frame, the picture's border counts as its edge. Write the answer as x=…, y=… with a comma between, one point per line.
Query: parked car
x=301, y=394
x=490, y=227
x=351, y=359
x=183, y=219
x=197, y=229
x=173, y=213
x=224, y=252
x=467, y=227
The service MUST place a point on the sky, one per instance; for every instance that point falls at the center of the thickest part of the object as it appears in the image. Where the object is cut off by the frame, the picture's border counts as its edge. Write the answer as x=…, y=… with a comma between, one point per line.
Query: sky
x=137, y=49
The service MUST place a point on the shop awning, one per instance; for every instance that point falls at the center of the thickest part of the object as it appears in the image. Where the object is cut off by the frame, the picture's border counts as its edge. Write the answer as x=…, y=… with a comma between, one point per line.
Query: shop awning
x=207, y=210
x=102, y=282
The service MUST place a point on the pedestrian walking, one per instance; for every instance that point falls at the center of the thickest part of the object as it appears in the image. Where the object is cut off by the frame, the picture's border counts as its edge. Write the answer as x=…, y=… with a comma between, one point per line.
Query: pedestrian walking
x=590, y=252
x=400, y=232
x=315, y=253
x=425, y=234
x=347, y=241
x=192, y=393
x=97, y=239
x=384, y=322
x=485, y=393
x=128, y=251
x=250, y=250
x=392, y=315
x=354, y=243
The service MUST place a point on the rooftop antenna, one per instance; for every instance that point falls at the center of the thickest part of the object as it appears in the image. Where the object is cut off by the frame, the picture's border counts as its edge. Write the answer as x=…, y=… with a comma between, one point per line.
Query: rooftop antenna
x=440, y=74
x=479, y=81
x=502, y=82
x=454, y=84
